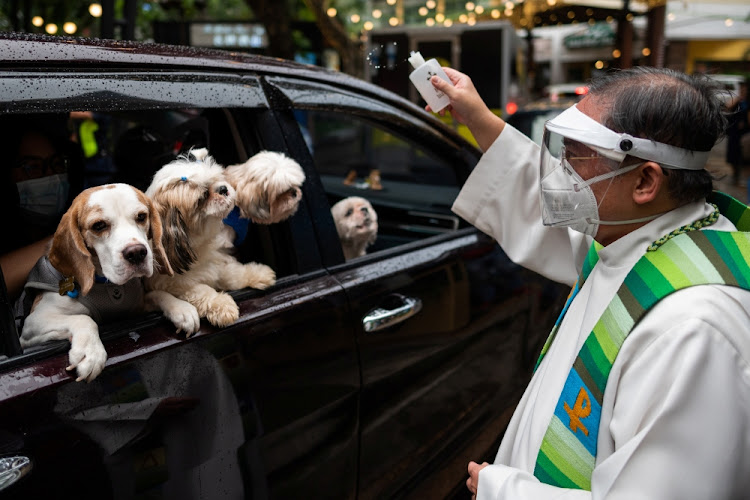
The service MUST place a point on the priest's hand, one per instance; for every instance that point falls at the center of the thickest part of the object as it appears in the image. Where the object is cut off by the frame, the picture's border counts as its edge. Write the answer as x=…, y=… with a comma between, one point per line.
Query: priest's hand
x=473, y=480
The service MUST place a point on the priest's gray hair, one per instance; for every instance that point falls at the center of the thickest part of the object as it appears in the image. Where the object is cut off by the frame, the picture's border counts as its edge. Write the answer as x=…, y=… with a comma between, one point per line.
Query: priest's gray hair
x=669, y=107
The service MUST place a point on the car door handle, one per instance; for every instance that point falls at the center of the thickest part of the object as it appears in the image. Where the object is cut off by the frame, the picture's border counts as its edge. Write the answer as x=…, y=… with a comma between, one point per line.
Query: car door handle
x=379, y=318
x=12, y=469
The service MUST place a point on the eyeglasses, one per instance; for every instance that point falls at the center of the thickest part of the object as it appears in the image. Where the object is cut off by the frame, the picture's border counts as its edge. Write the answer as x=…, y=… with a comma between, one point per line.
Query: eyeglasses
x=33, y=167
x=580, y=152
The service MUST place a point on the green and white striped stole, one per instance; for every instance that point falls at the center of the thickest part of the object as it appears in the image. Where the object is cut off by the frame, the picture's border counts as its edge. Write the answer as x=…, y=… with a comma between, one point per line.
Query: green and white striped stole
x=683, y=258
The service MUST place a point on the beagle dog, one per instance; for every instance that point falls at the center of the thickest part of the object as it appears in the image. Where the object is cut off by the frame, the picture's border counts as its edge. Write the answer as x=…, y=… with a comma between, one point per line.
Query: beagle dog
x=108, y=240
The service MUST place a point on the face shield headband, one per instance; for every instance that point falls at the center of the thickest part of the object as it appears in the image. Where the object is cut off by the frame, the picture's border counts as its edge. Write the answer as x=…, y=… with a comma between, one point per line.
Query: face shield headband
x=573, y=124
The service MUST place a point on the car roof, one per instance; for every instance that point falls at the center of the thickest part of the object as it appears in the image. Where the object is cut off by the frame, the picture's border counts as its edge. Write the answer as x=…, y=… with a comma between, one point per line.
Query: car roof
x=22, y=50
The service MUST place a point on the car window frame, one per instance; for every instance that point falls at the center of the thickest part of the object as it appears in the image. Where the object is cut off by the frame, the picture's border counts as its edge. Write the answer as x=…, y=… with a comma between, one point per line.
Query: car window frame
x=402, y=120
x=245, y=93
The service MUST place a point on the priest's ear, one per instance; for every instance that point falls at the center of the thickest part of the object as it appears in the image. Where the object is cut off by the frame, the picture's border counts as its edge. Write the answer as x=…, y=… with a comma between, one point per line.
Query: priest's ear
x=651, y=180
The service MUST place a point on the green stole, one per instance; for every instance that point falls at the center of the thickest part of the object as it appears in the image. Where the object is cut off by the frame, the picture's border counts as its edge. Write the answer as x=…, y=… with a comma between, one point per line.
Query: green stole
x=681, y=259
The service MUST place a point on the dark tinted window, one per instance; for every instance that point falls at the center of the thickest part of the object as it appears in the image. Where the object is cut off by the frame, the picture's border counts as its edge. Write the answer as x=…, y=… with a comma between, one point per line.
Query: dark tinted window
x=410, y=188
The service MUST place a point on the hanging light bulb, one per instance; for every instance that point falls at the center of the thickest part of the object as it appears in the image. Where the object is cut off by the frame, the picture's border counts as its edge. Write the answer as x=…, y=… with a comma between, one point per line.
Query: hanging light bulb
x=95, y=9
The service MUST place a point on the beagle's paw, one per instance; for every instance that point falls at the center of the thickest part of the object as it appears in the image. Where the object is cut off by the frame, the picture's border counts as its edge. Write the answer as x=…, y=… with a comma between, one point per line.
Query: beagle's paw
x=184, y=316
x=86, y=356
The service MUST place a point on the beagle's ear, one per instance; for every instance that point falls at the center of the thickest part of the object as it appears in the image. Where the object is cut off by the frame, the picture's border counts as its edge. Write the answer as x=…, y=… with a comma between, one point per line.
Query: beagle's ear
x=176, y=239
x=156, y=236
x=69, y=253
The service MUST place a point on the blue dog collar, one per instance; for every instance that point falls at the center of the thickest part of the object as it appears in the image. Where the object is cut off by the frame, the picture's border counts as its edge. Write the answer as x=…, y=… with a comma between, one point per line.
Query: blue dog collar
x=239, y=224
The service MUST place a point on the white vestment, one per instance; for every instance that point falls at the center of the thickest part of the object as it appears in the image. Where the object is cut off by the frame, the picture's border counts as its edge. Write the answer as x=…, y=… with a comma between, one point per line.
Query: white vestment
x=675, y=420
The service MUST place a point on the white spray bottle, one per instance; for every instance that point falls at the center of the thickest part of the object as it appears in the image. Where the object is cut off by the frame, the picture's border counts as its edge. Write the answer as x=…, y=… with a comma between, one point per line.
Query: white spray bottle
x=420, y=77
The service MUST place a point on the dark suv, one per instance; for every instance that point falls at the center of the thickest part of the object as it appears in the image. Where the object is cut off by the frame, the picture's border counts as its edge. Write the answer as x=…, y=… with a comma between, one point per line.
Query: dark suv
x=334, y=382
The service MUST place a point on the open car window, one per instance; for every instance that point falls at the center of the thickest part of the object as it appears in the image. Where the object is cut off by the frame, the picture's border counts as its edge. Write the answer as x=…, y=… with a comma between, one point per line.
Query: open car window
x=121, y=128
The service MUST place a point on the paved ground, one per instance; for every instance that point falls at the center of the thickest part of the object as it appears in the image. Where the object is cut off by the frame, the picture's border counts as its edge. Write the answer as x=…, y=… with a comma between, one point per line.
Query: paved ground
x=722, y=171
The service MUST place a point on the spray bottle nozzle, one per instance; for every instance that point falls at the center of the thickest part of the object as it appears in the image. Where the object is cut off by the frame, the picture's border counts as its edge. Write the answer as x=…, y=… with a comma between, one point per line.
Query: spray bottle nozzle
x=416, y=59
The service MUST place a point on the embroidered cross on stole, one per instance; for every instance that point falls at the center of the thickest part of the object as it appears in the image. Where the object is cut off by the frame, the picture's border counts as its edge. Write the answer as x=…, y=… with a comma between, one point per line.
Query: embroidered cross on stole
x=685, y=258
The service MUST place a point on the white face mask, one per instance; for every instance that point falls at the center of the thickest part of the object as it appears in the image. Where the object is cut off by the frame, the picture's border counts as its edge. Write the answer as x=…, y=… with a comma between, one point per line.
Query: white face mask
x=44, y=195
x=569, y=201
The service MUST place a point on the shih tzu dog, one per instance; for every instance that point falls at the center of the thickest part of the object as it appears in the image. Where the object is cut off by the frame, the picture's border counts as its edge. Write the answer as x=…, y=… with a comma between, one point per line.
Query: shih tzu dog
x=357, y=225
x=193, y=196
x=268, y=188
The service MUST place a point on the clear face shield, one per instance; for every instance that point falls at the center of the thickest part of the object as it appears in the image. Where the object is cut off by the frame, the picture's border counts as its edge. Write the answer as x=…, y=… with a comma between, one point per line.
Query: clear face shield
x=575, y=143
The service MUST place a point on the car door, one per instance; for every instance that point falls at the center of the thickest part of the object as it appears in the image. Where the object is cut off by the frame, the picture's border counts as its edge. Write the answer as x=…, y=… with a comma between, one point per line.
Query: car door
x=264, y=408
x=442, y=318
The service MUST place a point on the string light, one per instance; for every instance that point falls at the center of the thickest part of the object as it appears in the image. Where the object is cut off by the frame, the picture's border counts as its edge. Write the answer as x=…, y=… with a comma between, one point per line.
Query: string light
x=331, y=12
x=70, y=28
x=51, y=28
x=377, y=13
x=37, y=21
x=95, y=9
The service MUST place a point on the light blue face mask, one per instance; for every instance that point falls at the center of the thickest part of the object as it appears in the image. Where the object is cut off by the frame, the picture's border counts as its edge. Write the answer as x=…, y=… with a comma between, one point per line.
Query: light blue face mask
x=45, y=195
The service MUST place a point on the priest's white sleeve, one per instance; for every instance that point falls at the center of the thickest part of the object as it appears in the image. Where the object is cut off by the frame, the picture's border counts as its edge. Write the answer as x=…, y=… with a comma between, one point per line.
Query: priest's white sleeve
x=501, y=198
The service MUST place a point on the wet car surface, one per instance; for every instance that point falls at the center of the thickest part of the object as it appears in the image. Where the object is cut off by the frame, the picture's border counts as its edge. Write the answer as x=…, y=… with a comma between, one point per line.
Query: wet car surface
x=298, y=398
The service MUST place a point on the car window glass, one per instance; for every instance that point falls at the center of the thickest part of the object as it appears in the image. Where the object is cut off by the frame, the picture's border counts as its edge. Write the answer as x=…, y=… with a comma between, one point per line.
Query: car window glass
x=410, y=189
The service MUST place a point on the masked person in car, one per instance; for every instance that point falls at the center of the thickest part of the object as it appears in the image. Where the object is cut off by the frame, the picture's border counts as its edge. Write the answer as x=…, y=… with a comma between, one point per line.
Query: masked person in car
x=36, y=192
x=643, y=387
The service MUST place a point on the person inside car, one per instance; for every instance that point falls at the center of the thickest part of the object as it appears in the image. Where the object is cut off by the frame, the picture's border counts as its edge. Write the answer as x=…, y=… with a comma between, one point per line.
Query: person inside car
x=643, y=388
x=42, y=179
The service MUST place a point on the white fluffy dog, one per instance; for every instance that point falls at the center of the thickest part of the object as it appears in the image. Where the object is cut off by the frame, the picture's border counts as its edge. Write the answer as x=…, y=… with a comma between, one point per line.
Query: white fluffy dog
x=268, y=188
x=108, y=239
x=357, y=225
x=193, y=196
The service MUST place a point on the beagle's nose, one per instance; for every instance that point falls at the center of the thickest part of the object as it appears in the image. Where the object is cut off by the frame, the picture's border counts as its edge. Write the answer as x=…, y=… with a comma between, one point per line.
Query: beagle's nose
x=223, y=190
x=135, y=254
